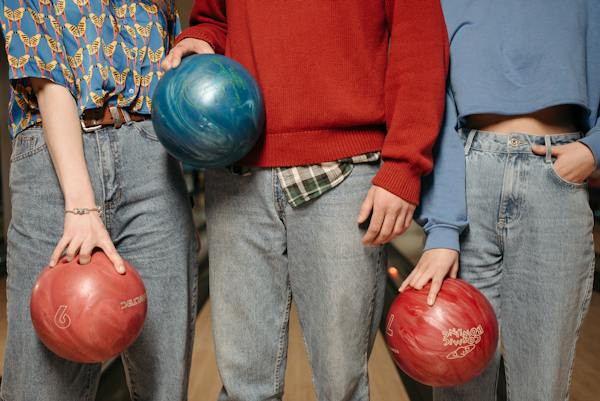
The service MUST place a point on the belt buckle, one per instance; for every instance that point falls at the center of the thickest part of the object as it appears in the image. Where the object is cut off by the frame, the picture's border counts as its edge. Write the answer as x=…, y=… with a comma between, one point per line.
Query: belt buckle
x=89, y=129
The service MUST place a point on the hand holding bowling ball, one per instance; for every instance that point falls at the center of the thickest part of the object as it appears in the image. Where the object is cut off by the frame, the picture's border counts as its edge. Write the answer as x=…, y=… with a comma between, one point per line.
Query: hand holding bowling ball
x=88, y=313
x=448, y=343
x=82, y=233
x=184, y=48
x=434, y=265
x=208, y=112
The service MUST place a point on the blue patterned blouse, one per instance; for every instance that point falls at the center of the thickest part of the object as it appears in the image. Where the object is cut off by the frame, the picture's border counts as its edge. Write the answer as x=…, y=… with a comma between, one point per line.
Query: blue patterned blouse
x=103, y=51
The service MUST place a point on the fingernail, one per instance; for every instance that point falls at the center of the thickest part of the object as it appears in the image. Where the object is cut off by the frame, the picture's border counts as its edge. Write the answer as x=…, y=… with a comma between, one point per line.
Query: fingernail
x=121, y=269
x=430, y=301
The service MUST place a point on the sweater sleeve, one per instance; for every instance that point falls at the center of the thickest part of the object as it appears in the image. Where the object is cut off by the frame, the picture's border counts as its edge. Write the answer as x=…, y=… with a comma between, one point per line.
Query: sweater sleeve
x=443, y=209
x=592, y=140
x=414, y=94
x=208, y=22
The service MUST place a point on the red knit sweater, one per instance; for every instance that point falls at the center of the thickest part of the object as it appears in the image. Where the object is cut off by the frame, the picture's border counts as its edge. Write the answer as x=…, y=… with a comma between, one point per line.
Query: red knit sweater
x=331, y=87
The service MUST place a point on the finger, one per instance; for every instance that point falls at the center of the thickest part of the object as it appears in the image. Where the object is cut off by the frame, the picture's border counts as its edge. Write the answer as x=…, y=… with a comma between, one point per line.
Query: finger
x=113, y=255
x=374, y=227
x=423, y=279
x=387, y=229
x=454, y=270
x=539, y=150
x=417, y=278
x=399, y=228
x=73, y=249
x=409, y=218
x=173, y=59
x=436, y=284
x=85, y=252
x=366, y=207
x=406, y=282
x=176, y=59
x=58, y=251
x=402, y=217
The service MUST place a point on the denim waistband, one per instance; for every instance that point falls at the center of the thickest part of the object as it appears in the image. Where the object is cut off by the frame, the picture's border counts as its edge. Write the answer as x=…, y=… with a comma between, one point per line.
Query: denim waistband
x=512, y=143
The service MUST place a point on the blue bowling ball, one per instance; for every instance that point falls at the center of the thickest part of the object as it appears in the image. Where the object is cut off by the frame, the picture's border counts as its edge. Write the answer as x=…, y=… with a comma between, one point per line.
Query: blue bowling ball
x=208, y=112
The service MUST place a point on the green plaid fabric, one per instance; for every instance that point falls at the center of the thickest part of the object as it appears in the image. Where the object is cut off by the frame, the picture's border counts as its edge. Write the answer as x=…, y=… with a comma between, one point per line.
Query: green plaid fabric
x=305, y=183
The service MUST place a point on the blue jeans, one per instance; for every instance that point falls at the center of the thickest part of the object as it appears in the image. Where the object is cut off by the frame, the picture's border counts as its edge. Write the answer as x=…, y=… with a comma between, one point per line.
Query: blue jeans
x=264, y=253
x=529, y=249
x=147, y=213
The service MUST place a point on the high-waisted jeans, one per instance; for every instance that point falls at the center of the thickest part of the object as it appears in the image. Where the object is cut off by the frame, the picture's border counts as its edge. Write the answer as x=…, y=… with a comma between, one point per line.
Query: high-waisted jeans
x=148, y=216
x=529, y=249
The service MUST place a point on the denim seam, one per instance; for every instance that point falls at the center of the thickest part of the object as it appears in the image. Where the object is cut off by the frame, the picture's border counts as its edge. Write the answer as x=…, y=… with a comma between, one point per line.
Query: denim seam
x=88, y=388
x=283, y=334
x=29, y=153
x=113, y=203
x=371, y=312
x=582, y=311
x=130, y=376
x=192, y=317
x=117, y=167
x=277, y=196
x=562, y=182
x=502, y=218
x=145, y=134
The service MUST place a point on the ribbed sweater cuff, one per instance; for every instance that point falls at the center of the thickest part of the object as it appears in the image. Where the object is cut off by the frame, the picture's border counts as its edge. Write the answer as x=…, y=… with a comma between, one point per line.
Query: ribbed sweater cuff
x=400, y=179
x=198, y=32
x=443, y=237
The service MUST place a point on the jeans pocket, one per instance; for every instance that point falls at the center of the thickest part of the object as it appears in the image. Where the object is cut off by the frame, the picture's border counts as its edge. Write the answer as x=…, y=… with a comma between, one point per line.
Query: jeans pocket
x=145, y=129
x=28, y=143
x=562, y=181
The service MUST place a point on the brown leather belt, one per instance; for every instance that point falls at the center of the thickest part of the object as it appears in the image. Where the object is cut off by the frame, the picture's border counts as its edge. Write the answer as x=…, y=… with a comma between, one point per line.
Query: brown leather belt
x=93, y=119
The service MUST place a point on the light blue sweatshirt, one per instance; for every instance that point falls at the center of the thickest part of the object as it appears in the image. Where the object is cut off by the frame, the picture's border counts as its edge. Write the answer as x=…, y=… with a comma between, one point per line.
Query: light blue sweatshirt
x=508, y=57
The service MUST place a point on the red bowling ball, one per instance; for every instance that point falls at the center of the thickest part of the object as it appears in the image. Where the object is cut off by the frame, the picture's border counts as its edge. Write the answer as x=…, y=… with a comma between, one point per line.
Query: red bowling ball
x=88, y=313
x=448, y=343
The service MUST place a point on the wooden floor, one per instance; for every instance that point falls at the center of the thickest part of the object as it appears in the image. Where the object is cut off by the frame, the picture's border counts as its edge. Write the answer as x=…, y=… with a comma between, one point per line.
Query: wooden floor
x=205, y=384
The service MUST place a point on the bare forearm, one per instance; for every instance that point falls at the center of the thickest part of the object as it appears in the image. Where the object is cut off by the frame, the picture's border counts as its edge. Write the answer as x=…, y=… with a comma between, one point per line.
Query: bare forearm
x=62, y=132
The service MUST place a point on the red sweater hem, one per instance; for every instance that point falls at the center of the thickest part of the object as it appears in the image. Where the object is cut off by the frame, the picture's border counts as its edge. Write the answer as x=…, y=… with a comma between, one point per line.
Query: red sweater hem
x=301, y=148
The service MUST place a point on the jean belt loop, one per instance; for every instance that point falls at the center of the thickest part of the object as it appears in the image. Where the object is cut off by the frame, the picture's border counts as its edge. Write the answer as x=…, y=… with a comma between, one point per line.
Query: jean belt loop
x=469, y=141
x=114, y=112
x=548, y=143
x=126, y=117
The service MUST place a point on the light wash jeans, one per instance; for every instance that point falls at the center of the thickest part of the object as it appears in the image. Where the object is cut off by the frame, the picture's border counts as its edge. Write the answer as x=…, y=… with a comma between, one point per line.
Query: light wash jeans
x=263, y=253
x=529, y=249
x=147, y=213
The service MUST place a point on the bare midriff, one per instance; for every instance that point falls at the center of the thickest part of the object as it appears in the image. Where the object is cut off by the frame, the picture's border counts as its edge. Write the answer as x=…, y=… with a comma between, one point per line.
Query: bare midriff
x=550, y=121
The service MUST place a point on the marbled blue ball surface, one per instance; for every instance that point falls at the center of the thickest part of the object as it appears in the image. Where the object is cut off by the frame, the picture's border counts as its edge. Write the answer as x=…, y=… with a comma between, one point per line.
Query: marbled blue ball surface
x=208, y=112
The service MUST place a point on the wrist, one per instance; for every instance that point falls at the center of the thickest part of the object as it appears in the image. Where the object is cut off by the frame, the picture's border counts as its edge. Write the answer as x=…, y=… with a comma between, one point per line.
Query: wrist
x=80, y=201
